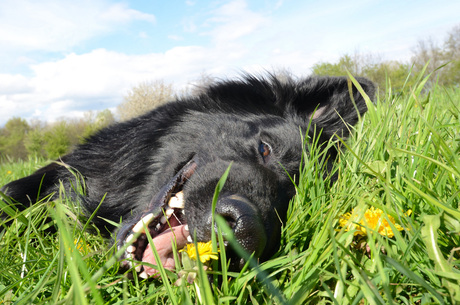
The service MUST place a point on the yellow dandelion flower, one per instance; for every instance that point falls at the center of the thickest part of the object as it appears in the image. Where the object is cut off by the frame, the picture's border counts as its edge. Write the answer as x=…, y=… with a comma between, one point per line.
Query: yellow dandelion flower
x=204, y=250
x=374, y=219
x=9, y=172
x=80, y=245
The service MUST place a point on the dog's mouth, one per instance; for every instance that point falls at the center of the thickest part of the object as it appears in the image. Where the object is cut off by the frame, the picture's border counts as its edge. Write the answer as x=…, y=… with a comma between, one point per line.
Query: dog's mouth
x=166, y=223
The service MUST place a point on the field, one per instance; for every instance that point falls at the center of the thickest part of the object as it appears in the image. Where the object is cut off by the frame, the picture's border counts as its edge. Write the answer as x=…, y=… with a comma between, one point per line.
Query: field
x=387, y=232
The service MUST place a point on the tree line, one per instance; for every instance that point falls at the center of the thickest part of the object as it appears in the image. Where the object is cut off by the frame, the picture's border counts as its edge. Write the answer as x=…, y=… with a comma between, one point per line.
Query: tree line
x=20, y=139
x=442, y=61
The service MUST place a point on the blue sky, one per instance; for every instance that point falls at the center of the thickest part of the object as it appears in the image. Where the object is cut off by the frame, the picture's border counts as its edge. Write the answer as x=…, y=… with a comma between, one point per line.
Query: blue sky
x=62, y=58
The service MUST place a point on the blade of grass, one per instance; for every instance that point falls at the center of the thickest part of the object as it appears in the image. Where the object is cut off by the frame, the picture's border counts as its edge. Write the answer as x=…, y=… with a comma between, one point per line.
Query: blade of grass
x=39, y=286
x=160, y=267
x=261, y=275
x=405, y=271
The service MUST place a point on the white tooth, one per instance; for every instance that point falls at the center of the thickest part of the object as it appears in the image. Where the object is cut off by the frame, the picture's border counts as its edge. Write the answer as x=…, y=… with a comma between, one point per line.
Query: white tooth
x=143, y=275
x=138, y=268
x=130, y=239
x=169, y=212
x=158, y=226
x=148, y=218
x=189, y=239
x=177, y=201
x=163, y=219
x=130, y=255
x=186, y=228
x=131, y=249
x=139, y=227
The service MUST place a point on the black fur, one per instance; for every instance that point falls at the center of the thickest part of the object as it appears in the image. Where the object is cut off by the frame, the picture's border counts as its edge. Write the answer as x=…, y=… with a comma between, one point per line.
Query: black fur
x=233, y=121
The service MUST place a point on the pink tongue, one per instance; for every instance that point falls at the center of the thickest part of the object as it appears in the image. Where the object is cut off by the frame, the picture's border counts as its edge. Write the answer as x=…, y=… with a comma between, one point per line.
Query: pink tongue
x=164, y=248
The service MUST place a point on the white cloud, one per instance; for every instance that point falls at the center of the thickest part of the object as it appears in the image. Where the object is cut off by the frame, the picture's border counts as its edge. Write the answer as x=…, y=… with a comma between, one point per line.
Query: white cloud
x=58, y=25
x=234, y=20
x=121, y=13
x=100, y=78
x=95, y=80
x=189, y=26
x=10, y=84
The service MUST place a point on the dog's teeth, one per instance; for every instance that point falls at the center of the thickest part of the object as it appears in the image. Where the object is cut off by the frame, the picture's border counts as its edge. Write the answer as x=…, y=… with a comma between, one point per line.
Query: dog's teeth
x=130, y=255
x=131, y=249
x=186, y=228
x=143, y=275
x=158, y=226
x=169, y=212
x=148, y=218
x=130, y=239
x=139, y=227
x=177, y=201
x=163, y=219
x=138, y=268
x=189, y=239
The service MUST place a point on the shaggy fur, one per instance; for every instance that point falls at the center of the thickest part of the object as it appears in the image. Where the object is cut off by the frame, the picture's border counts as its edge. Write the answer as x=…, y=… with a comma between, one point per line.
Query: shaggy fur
x=186, y=145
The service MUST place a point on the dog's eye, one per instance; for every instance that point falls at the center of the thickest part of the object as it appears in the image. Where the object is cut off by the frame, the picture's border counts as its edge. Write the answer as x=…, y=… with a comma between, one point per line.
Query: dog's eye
x=265, y=151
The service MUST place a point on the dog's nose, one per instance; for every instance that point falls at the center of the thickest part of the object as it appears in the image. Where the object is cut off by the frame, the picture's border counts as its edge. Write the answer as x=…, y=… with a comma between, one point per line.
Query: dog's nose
x=244, y=219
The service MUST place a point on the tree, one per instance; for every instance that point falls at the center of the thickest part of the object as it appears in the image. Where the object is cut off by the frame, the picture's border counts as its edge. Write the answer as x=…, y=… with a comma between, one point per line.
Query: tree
x=357, y=64
x=443, y=61
x=34, y=142
x=200, y=85
x=96, y=121
x=12, y=138
x=452, y=44
x=427, y=51
x=452, y=56
x=392, y=73
x=370, y=66
x=338, y=69
x=145, y=97
x=56, y=140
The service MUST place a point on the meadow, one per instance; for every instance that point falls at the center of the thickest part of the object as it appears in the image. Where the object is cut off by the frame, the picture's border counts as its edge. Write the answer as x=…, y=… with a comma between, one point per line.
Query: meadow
x=386, y=232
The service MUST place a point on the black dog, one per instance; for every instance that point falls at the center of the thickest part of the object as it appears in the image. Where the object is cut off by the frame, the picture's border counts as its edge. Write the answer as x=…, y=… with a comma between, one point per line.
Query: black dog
x=146, y=165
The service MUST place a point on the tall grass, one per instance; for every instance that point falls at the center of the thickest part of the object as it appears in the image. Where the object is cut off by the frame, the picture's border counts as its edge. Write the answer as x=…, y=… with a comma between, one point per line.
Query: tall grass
x=403, y=155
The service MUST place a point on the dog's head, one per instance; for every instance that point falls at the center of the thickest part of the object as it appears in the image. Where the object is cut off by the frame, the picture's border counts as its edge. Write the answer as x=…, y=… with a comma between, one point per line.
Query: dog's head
x=256, y=125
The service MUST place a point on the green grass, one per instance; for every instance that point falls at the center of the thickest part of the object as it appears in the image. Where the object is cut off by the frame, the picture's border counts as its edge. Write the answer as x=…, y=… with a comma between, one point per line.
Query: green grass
x=403, y=155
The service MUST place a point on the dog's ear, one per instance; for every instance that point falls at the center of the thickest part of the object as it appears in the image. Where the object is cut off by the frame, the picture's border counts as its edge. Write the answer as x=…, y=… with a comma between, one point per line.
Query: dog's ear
x=332, y=103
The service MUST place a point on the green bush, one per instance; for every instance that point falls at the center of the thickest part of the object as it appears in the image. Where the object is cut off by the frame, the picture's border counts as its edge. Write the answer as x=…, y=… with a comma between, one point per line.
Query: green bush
x=12, y=138
x=57, y=141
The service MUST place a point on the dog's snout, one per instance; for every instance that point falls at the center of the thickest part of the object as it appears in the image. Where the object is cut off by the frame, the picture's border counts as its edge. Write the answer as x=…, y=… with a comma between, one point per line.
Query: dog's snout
x=244, y=219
